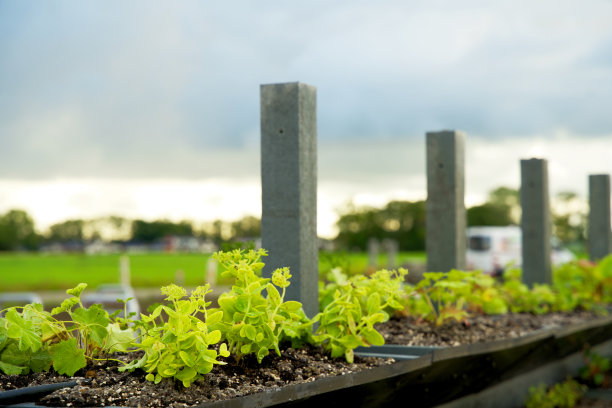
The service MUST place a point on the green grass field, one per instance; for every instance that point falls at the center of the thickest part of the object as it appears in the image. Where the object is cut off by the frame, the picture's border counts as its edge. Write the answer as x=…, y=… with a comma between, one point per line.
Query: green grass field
x=63, y=271
x=35, y=272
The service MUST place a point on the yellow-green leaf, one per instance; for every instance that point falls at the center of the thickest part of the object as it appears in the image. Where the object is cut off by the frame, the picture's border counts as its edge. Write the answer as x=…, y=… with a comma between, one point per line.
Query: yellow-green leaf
x=187, y=359
x=223, y=351
x=213, y=337
x=67, y=357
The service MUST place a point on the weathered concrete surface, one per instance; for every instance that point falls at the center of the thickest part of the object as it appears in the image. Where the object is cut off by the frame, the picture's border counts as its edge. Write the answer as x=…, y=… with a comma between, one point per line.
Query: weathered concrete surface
x=289, y=187
x=599, y=234
x=445, y=210
x=535, y=222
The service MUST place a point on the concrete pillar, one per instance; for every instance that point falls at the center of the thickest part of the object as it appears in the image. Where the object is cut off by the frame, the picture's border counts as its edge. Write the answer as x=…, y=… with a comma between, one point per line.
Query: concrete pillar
x=535, y=222
x=179, y=277
x=210, y=276
x=289, y=187
x=124, y=271
x=445, y=221
x=392, y=248
x=599, y=216
x=373, y=245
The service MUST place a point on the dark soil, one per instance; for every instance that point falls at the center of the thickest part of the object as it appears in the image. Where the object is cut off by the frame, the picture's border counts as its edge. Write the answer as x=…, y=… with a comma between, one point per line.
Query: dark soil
x=590, y=402
x=102, y=385
x=597, y=396
x=408, y=331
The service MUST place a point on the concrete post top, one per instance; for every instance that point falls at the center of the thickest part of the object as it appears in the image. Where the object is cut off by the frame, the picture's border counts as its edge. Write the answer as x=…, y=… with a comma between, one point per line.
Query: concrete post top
x=447, y=132
x=533, y=159
x=295, y=83
x=599, y=175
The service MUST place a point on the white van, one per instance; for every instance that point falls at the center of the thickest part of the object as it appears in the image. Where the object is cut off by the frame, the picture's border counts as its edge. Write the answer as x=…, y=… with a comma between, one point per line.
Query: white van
x=493, y=249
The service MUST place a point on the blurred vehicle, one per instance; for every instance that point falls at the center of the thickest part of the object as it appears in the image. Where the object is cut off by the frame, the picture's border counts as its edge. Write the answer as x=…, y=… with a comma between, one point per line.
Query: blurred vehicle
x=107, y=295
x=493, y=249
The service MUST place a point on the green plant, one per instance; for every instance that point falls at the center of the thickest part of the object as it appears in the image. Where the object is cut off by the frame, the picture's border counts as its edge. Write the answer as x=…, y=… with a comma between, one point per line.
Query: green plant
x=179, y=347
x=344, y=325
x=440, y=297
x=337, y=260
x=584, y=284
x=389, y=285
x=561, y=395
x=484, y=295
x=597, y=368
x=521, y=299
x=350, y=307
x=32, y=339
x=254, y=323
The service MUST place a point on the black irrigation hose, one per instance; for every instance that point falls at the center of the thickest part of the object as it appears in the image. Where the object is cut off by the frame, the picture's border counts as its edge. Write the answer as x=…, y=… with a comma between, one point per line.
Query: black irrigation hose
x=33, y=393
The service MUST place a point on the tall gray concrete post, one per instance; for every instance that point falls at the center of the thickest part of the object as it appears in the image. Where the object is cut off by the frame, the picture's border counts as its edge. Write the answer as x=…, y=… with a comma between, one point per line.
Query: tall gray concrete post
x=445, y=221
x=289, y=187
x=392, y=248
x=373, y=246
x=599, y=234
x=535, y=222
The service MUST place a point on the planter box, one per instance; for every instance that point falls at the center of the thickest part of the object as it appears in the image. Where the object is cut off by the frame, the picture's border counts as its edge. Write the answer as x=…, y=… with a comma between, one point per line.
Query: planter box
x=427, y=376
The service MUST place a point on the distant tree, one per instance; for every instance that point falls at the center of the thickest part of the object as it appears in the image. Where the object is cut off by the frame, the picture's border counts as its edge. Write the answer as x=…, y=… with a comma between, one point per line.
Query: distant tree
x=569, y=218
x=357, y=226
x=218, y=231
x=67, y=231
x=402, y=221
x=148, y=232
x=246, y=227
x=17, y=231
x=405, y=223
x=489, y=214
x=109, y=228
x=505, y=196
x=502, y=208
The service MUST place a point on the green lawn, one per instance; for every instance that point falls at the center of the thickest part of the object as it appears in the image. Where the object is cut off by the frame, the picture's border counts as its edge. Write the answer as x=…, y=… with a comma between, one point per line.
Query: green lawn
x=63, y=271
x=33, y=272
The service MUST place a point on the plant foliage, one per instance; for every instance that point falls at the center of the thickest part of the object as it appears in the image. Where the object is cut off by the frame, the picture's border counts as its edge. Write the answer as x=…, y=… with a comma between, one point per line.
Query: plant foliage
x=32, y=339
x=176, y=342
x=351, y=308
x=256, y=317
x=561, y=395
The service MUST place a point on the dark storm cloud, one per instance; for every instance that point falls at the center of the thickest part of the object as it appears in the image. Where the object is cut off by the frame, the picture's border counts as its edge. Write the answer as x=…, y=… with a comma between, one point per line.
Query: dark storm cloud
x=150, y=89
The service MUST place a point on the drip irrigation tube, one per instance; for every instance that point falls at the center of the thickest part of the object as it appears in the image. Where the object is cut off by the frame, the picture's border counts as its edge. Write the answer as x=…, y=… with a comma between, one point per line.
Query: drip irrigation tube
x=33, y=393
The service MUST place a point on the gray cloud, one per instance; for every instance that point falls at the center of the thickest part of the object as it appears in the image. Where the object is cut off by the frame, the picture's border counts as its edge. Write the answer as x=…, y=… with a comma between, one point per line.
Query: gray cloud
x=153, y=89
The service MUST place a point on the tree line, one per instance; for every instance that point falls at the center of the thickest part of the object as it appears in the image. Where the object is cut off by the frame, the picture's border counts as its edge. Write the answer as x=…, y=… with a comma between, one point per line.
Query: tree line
x=403, y=221
x=18, y=232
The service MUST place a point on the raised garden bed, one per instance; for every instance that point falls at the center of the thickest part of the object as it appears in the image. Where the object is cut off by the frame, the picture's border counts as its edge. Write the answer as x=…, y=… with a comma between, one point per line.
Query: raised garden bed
x=426, y=376
x=449, y=352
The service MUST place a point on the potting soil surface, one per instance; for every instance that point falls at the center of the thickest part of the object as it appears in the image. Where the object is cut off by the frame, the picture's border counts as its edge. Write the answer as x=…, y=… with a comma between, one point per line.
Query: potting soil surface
x=102, y=385
x=410, y=332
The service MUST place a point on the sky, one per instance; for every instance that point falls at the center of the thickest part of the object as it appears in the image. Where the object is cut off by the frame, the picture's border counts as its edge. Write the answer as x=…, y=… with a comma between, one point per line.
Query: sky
x=150, y=109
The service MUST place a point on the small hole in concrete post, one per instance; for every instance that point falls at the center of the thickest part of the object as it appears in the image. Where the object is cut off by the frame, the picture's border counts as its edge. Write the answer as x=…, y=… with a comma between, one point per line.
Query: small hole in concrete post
x=280, y=131
x=440, y=165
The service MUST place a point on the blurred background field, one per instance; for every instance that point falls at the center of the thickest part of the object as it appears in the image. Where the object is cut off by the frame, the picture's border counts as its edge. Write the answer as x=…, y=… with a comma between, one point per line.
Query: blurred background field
x=44, y=272
x=32, y=272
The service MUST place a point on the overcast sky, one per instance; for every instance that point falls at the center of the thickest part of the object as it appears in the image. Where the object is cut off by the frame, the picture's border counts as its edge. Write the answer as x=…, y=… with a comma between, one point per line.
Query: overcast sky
x=151, y=109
